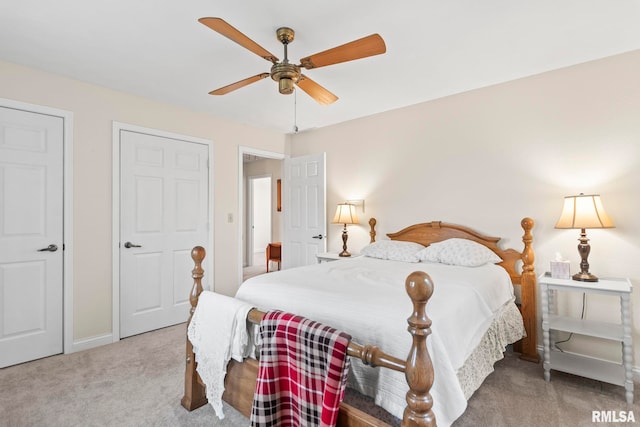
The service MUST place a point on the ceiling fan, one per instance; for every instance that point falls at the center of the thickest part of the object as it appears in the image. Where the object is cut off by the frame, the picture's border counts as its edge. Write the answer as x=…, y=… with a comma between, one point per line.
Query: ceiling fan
x=288, y=75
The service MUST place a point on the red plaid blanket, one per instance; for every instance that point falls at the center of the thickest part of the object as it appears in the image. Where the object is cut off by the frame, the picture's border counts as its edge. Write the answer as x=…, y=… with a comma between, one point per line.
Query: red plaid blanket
x=302, y=372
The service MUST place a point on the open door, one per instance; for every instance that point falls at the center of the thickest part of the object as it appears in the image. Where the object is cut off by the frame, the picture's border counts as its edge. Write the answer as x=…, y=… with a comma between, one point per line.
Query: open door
x=304, y=210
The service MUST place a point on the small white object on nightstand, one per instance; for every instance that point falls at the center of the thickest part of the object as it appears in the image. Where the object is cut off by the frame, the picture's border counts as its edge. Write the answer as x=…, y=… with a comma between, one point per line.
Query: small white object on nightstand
x=597, y=369
x=332, y=256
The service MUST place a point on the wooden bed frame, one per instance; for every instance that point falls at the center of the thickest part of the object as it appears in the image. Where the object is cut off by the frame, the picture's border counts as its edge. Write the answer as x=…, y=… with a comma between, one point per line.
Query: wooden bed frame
x=418, y=369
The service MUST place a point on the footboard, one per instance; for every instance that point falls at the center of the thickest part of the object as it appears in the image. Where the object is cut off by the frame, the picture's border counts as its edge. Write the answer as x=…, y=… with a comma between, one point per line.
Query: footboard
x=418, y=369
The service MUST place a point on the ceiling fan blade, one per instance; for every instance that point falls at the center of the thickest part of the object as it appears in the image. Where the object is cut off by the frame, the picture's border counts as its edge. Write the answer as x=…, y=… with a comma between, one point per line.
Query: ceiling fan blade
x=237, y=85
x=361, y=48
x=221, y=26
x=317, y=92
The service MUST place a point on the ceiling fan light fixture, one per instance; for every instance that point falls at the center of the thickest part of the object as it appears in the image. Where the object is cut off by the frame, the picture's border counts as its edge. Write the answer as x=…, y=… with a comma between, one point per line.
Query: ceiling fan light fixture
x=286, y=86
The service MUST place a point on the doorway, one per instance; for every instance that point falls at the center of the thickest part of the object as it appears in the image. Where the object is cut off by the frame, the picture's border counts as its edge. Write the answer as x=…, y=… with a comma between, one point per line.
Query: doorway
x=254, y=163
x=258, y=219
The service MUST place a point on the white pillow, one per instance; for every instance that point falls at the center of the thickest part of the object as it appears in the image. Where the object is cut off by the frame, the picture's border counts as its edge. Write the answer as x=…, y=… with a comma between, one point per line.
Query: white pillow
x=394, y=250
x=463, y=252
x=429, y=254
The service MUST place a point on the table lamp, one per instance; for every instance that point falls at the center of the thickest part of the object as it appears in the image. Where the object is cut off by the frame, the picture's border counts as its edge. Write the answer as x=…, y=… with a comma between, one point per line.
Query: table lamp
x=345, y=214
x=584, y=211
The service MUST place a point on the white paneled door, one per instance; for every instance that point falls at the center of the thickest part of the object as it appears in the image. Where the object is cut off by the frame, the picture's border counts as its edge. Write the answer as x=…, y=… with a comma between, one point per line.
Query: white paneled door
x=163, y=215
x=304, y=212
x=31, y=235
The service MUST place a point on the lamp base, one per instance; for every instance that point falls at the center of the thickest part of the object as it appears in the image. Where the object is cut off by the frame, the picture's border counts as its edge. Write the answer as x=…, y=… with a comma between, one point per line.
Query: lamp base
x=584, y=277
x=345, y=236
x=583, y=249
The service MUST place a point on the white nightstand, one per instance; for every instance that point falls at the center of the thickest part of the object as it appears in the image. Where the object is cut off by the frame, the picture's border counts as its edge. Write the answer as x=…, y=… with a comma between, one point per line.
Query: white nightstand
x=332, y=256
x=597, y=369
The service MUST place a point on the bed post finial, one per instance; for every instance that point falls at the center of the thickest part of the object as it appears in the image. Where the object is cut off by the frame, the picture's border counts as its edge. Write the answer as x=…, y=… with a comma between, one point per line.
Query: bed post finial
x=419, y=370
x=528, y=295
x=197, y=255
x=372, y=232
x=527, y=238
x=194, y=392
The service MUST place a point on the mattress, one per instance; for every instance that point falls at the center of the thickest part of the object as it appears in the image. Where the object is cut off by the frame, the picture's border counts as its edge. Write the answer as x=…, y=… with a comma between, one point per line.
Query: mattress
x=366, y=298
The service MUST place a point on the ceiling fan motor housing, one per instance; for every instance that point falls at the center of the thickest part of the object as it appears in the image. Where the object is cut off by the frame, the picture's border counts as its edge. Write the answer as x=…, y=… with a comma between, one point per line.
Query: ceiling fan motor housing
x=287, y=75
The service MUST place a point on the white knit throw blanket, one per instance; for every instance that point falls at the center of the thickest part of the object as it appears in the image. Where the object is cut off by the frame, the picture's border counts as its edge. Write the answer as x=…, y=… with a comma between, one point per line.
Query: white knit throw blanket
x=218, y=333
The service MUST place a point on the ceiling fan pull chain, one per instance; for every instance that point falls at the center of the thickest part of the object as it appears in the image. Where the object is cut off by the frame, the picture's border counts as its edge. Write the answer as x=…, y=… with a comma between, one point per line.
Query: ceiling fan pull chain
x=295, y=111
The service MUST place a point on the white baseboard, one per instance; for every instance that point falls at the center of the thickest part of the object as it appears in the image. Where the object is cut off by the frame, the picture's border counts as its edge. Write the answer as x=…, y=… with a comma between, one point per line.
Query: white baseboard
x=89, y=343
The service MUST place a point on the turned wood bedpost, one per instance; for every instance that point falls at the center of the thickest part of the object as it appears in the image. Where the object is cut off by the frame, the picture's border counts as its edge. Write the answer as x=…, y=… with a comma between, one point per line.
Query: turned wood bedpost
x=528, y=295
x=194, y=391
x=372, y=230
x=419, y=369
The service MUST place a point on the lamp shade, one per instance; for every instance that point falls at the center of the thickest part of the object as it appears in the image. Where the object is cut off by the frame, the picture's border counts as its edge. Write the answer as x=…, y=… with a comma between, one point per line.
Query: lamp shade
x=346, y=214
x=584, y=211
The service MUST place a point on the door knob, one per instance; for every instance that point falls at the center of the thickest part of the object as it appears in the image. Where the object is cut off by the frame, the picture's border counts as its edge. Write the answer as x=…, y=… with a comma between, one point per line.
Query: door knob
x=131, y=245
x=319, y=236
x=50, y=248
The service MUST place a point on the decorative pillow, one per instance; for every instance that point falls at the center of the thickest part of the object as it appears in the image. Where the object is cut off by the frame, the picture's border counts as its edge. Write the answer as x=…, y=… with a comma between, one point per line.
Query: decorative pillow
x=394, y=250
x=463, y=252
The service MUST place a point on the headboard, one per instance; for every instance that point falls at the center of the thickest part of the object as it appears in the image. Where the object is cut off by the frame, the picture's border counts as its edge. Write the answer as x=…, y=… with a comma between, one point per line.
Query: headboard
x=437, y=231
x=524, y=275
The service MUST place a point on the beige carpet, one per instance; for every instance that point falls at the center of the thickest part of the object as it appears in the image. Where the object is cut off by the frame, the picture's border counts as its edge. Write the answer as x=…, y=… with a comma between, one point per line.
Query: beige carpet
x=139, y=382
x=517, y=395
x=135, y=382
x=253, y=270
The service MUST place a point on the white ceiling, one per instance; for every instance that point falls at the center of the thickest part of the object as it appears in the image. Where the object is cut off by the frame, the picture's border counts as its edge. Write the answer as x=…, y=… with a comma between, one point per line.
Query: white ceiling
x=157, y=49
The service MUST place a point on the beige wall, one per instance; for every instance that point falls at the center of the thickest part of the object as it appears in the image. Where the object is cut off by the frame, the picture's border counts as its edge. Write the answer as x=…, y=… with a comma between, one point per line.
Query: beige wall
x=485, y=158
x=490, y=157
x=94, y=109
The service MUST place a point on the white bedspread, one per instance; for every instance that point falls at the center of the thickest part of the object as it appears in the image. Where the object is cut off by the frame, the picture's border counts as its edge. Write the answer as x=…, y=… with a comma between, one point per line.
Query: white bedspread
x=462, y=307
